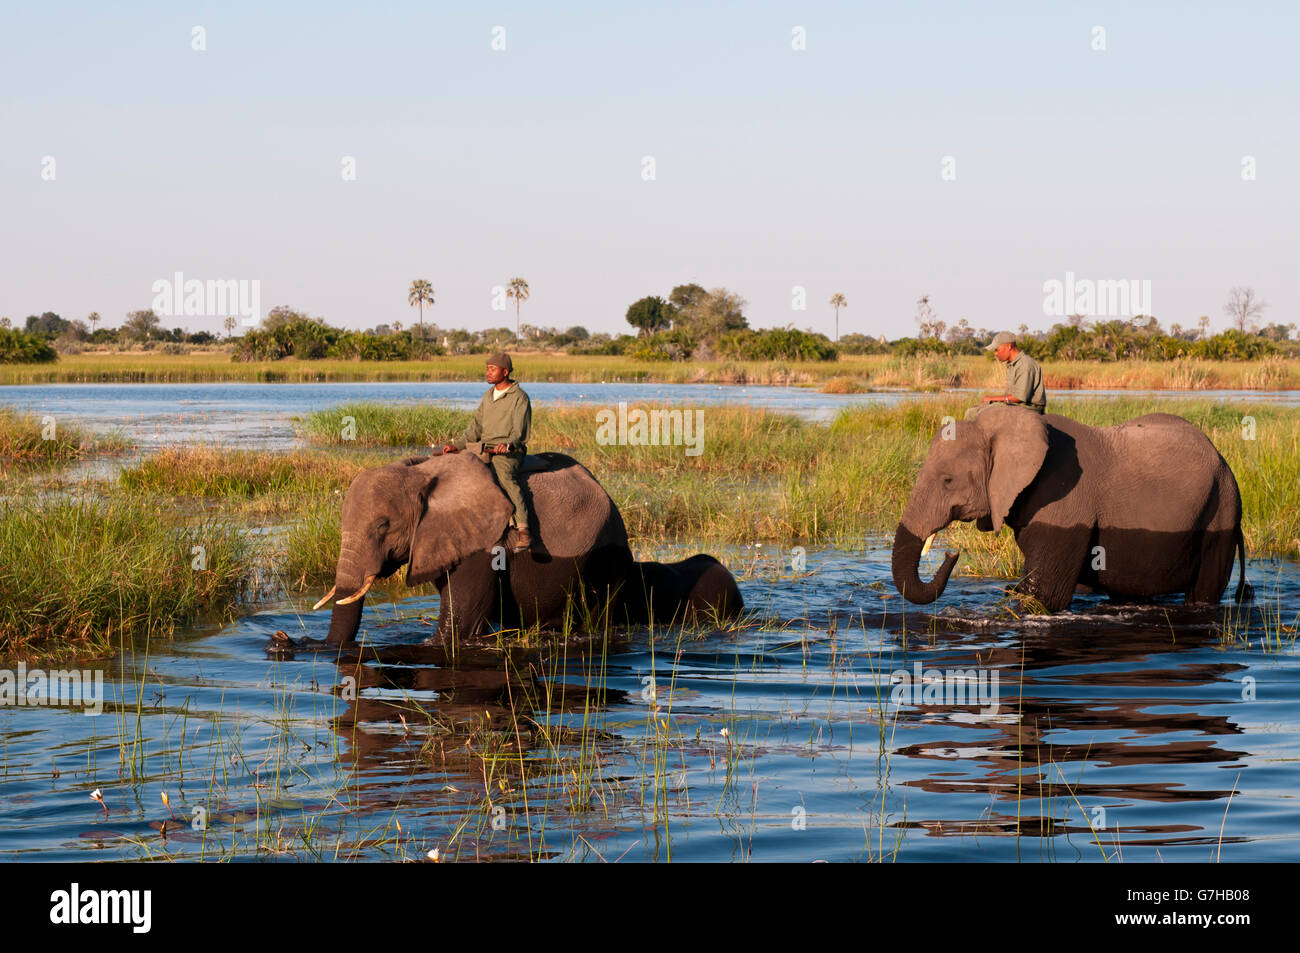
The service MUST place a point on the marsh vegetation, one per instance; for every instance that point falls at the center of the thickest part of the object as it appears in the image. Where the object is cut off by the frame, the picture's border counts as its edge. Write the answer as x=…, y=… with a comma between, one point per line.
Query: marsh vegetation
x=104, y=557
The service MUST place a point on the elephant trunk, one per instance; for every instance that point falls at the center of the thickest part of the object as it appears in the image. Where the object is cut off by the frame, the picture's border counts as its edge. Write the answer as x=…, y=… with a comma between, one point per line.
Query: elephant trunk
x=906, y=562
x=344, y=622
x=350, y=586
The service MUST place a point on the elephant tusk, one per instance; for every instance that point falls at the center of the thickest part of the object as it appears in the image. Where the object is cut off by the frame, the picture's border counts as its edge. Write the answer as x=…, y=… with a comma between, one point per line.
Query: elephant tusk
x=370, y=581
x=929, y=541
x=325, y=598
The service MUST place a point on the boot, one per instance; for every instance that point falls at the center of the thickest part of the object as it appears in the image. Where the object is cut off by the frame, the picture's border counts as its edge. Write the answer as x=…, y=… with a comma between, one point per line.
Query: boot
x=523, y=541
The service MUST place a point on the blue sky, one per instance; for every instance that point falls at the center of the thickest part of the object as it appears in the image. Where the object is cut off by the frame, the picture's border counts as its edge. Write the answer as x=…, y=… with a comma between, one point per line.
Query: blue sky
x=774, y=168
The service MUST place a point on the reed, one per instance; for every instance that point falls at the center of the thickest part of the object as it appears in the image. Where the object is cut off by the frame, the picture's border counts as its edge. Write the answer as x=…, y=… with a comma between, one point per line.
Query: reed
x=879, y=370
x=79, y=574
x=27, y=438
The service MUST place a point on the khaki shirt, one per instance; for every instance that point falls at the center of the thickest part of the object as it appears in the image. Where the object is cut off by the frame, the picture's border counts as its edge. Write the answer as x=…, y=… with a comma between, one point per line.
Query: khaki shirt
x=1025, y=382
x=507, y=419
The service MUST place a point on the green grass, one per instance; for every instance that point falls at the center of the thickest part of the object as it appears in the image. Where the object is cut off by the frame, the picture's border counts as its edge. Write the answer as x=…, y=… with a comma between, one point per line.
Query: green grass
x=77, y=575
x=736, y=439
x=217, y=472
x=765, y=476
x=371, y=424
x=146, y=367
x=311, y=545
x=27, y=438
x=878, y=371
x=773, y=477
x=70, y=576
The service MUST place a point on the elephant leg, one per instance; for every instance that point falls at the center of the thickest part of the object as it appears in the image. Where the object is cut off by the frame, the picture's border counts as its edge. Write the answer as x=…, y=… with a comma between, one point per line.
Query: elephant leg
x=1214, y=568
x=468, y=598
x=1055, y=558
x=1217, y=543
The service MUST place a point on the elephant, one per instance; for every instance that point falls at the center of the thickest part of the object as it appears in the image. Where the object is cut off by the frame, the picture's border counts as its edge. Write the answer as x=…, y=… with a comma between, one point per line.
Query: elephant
x=445, y=517
x=1144, y=508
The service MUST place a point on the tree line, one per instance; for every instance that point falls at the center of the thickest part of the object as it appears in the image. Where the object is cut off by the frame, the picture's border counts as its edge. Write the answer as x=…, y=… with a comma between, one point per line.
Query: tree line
x=690, y=323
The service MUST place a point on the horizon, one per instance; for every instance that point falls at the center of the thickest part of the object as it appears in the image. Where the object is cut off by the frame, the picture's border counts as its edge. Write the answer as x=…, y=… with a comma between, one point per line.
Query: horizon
x=971, y=156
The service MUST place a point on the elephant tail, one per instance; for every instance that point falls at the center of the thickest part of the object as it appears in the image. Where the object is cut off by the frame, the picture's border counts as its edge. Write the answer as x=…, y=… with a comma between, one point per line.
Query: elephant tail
x=1245, y=591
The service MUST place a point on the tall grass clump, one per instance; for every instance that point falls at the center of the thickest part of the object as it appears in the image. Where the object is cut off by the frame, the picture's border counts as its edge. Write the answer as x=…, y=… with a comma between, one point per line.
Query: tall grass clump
x=735, y=439
x=217, y=472
x=1186, y=373
x=373, y=424
x=77, y=575
x=23, y=439
x=920, y=372
x=311, y=545
x=1269, y=374
x=844, y=385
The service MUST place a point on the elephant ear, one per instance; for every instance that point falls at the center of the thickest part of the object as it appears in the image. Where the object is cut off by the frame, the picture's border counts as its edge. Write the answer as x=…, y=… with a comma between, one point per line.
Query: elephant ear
x=461, y=510
x=1017, y=442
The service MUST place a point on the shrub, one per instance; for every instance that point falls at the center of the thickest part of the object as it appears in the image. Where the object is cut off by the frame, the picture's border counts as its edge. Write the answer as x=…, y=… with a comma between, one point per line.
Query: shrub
x=785, y=344
x=19, y=347
x=309, y=340
x=677, y=345
x=860, y=344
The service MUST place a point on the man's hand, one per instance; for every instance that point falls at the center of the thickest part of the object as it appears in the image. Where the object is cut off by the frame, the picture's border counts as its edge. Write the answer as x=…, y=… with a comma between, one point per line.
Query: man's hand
x=501, y=448
x=449, y=448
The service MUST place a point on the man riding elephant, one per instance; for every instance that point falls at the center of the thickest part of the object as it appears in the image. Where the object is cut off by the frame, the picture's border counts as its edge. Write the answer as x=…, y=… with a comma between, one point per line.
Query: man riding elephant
x=504, y=423
x=1024, y=387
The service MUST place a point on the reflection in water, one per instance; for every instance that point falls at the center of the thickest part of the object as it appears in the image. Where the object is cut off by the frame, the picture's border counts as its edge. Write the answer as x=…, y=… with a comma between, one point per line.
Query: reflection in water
x=1142, y=711
x=1120, y=731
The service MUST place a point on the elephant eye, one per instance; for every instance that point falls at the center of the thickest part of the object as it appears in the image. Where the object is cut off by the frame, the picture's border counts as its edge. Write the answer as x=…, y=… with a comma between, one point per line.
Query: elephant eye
x=947, y=480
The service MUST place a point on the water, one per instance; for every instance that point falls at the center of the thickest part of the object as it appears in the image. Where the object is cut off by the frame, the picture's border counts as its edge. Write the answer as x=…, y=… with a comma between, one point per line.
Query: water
x=1137, y=720
x=262, y=415
x=1142, y=733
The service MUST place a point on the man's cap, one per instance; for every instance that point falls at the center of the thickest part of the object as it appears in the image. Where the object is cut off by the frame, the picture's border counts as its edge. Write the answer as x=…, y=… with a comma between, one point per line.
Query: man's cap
x=501, y=359
x=1002, y=337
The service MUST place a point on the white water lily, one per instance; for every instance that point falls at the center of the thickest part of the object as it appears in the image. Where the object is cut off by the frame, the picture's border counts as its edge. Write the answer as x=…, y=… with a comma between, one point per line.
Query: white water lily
x=433, y=855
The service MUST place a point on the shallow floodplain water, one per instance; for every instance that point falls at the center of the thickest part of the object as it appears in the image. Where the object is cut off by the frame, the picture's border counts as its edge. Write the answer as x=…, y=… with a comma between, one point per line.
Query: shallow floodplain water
x=805, y=732
x=777, y=739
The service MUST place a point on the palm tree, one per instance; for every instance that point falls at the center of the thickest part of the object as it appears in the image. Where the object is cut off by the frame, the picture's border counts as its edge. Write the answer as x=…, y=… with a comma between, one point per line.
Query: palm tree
x=838, y=301
x=421, y=293
x=94, y=319
x=517, y=289
x=229, y=325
